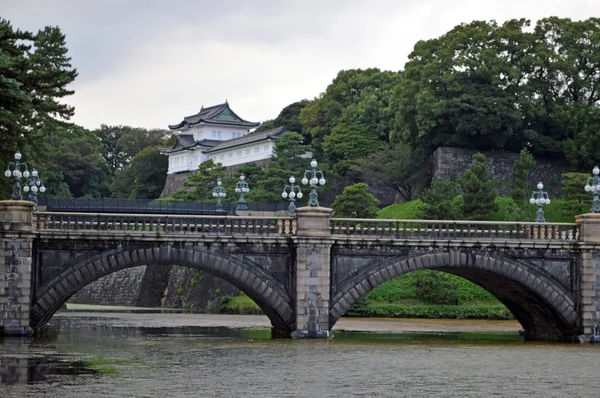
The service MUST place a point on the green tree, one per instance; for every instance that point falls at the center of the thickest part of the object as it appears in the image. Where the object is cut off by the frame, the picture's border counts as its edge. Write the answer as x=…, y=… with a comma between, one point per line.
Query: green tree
x=355, y=108
x=479, y=190
x=121, y=143
x=399, y=167
x=288, y=117
x=576, y=199
x=355, y=202
x=439, y=201
x=200, y=185
x=520, y=183
x=75, y=160
x=34, y=74
x=286, y=161
x=488, y=86
x=143, y=178
x=435, y=287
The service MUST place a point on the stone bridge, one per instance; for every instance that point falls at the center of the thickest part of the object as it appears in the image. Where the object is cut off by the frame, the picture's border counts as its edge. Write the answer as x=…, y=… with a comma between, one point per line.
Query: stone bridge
x=304, y=272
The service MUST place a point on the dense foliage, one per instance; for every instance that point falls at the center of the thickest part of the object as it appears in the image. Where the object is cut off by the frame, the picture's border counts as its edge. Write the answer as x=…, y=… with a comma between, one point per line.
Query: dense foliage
x=355, y=202
x=479, y=190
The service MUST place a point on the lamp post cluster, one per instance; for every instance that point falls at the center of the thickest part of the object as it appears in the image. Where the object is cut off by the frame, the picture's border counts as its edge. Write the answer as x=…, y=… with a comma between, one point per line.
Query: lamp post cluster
x=292, y=191
x=242, y=187
x=32, y=184
x=316, y=177
x=540, y=198
x=219, y=192
x=593, y=186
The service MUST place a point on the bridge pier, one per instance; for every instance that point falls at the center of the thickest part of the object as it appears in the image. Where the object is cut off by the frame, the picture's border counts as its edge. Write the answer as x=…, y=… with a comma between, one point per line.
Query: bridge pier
x=313, y=276
x=589, y=236
x=16, y=250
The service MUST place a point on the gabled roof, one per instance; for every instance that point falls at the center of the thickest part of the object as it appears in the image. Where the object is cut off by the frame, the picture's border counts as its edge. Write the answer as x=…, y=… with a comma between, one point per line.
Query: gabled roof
x=185, y=142
x=247, y=139
x=218, y=114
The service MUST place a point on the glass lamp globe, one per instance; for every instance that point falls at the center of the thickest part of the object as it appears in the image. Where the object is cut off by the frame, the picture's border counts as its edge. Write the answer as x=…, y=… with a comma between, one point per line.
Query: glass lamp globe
x=284, y=194
x=547, y=201
x=313, y=163
x=34, y=189
x=26, y=174
x=38, y=183
x=322, y=181
x=540, y=186
x=305, y=181
x=596, y=170
x=219, y=182
x=587, y=188
x=215, y=194
x=26, y=188
x=17, y=155
x=7, y=173
x=34, y=173
x=598, y=187
x=314, y=181
x=292, y=180
x=292, y=195
x=245, y=189
x=299, y=195
x=222, y=194
x=242, y=177
x=532, y=201
x=238, y=190
x=42, y=189
x=593, y=188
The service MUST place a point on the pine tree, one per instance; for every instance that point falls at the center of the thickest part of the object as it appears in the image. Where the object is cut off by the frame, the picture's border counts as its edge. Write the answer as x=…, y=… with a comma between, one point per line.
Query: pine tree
x=479, y=190
x=356, y=202
x=439, y=201
x=519, y=182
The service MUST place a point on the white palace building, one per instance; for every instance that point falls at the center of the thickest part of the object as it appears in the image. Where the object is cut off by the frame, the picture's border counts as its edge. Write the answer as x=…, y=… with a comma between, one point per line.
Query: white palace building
x=219, y=134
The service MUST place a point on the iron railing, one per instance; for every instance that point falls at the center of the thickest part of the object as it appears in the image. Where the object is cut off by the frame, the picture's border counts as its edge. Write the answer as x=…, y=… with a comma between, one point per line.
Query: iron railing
x=448, y=229
x=133, y=206
x=188, y=224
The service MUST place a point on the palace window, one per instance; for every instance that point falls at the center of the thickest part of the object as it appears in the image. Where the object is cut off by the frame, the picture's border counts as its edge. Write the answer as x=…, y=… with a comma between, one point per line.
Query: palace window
x=214, y=134
x=247, y=151
x=222, y=157
x=266, y=148
x=239, y=153
x=230, y=155
x=256, y=149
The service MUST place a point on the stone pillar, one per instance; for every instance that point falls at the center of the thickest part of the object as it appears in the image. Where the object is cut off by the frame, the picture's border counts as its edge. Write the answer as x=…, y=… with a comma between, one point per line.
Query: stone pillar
x=589, y=237
x=313, y=271
x=16, y=248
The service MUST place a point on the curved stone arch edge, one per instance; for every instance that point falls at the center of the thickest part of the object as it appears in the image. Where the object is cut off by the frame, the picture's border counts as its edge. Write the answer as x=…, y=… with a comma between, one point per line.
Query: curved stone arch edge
x=379, y=272
x=268, y=293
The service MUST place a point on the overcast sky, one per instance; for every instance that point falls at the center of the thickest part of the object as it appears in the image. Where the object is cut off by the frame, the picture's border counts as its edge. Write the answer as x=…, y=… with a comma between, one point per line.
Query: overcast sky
x=148, y=63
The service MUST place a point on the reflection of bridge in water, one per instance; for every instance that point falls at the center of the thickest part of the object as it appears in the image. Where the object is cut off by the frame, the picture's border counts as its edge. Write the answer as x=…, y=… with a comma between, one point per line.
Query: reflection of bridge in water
x=304, y=272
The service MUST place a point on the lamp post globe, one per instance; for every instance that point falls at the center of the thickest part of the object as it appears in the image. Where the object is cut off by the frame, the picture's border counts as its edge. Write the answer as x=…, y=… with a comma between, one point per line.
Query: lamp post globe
x=21, y=171
x=593, y=186
x=219, y=192
x=242, y=187
x=540, y=198
x=293, y=192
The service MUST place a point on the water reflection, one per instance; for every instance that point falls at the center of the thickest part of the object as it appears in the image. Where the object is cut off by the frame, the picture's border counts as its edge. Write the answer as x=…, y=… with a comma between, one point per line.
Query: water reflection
x=20, y=364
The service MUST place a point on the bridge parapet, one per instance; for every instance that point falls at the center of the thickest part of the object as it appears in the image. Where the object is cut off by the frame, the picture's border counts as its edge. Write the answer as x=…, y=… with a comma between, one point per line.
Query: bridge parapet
x=188, y=224
x=451, y=229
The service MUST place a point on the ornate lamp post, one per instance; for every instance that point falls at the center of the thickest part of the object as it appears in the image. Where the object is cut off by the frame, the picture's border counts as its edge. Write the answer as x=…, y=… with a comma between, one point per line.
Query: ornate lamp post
x=316, y=177
x=34, y=184
x=294, y=192
x=219, y=192
x=593, y=186
x=539, y=198
x=17, y=174
x=242, y=187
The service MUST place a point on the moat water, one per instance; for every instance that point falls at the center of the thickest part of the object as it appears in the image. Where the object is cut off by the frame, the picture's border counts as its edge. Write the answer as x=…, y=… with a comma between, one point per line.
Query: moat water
x=181, y=355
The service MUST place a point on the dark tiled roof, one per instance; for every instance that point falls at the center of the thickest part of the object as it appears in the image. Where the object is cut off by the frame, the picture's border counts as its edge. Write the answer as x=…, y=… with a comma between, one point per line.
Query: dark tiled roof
x=248, y=139
x=186, y=141
x=217, y=114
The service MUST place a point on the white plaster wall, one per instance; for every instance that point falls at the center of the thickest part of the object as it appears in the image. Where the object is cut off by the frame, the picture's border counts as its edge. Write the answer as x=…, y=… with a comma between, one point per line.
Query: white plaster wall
x=220, y=133
x=243, y=154
x=184, y=161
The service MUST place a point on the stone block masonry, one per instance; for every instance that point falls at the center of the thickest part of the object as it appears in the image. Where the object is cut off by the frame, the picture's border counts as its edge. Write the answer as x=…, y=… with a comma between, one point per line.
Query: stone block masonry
x=16, y=250
x=449, y=163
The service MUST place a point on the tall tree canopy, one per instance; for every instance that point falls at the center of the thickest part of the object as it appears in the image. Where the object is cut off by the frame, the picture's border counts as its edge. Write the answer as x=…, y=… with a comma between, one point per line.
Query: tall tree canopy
x=351, y=119
x=488, y=86
x=34, y=74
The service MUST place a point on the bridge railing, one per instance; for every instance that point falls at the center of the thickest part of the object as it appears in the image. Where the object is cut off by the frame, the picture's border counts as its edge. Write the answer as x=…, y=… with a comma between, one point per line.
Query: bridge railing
x=449, y=229
x=188, y=224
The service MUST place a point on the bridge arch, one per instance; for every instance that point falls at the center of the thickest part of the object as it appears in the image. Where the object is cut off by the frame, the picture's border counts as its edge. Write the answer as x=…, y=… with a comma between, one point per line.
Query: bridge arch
x=267, y=292
x=541, y=305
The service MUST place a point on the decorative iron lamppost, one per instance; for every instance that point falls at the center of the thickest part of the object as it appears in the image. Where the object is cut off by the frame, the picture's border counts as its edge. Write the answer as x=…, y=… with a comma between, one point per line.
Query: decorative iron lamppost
x=539, y=198
x=314, y=180
x=17, y=174
x=294, y=192
x=593, y=186
x=242, y=187
x=219, y=192
x=34, y=184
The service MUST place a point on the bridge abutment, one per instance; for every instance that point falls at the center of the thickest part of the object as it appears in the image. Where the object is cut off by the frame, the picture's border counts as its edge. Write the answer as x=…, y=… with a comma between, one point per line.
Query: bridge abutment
x=16, y=252
x=313, y=275
x=589, y=230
